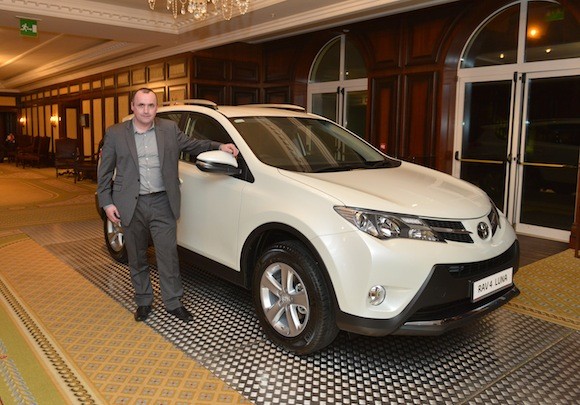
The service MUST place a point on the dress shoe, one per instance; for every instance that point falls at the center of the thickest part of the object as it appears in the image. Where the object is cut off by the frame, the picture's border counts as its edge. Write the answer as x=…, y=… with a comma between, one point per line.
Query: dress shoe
x=181, y=313
x=142, y=312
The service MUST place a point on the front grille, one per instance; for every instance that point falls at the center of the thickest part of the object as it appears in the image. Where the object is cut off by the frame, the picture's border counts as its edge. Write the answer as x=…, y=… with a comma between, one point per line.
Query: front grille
x=450, y=230
x=470, y=269
x=448, y=291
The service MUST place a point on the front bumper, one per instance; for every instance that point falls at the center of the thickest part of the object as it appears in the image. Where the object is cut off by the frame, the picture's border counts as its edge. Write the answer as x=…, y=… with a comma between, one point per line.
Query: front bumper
x=443, y=302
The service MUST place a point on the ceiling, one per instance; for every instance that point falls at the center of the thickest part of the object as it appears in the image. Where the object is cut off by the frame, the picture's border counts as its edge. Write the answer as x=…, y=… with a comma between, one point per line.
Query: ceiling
x=77, y=38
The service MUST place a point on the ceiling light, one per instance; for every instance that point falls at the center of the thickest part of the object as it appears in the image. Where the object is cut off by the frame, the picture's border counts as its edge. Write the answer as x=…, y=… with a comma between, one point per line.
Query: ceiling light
x=201, y=9
x=534, y=32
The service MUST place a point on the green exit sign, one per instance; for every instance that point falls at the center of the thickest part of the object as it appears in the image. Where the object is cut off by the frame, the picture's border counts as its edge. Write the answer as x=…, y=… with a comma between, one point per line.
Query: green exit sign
x=28, y=28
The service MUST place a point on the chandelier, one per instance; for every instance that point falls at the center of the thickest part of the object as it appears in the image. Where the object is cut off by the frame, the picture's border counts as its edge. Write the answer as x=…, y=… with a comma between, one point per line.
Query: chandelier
x=201, y=9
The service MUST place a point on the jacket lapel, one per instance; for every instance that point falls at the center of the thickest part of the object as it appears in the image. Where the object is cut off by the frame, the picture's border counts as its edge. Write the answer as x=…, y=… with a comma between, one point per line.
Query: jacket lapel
x=130, y=139
x=160, y=137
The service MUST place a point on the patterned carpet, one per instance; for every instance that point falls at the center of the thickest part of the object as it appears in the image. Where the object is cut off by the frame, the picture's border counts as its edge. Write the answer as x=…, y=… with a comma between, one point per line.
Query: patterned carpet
x=550, y=290
x=92, y=351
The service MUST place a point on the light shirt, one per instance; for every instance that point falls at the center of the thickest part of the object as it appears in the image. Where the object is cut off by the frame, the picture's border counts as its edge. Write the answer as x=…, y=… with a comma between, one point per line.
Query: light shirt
x=151, y=180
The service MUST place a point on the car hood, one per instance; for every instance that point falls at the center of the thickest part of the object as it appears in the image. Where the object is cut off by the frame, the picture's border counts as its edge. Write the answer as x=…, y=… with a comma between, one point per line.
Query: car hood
x=409, y=189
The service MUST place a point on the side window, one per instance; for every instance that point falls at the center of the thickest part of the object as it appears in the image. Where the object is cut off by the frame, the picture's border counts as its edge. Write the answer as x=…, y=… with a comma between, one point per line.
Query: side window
x=203, y=127
x=171, y=115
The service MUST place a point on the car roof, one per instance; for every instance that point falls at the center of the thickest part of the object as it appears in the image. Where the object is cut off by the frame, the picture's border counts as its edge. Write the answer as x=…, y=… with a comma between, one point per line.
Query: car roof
x=249, y=110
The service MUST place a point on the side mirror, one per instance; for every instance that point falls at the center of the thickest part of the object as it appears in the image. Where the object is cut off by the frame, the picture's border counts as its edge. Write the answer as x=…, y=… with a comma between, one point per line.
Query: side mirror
x=219, y=162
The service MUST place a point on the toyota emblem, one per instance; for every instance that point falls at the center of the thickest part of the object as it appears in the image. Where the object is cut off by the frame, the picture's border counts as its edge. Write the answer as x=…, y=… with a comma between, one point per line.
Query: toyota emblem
x=483, y=230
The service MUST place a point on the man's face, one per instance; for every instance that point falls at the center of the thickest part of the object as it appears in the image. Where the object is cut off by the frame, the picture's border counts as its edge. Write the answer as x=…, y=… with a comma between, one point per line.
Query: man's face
x=144, y=106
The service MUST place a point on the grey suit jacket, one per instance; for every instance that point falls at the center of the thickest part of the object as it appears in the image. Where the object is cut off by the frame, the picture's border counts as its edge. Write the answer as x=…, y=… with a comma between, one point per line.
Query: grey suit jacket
x=119, y=158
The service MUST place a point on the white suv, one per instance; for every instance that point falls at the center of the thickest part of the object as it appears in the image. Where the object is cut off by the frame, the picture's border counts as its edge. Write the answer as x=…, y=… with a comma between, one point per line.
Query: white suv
x=329, y=233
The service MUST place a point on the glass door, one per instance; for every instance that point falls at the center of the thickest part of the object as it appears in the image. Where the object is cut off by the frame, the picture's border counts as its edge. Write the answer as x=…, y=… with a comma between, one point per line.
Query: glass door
x=346, y=106
x=337, y=86
x=520, y=143
x=518, y=126
x=548, y=155
x=482, y=156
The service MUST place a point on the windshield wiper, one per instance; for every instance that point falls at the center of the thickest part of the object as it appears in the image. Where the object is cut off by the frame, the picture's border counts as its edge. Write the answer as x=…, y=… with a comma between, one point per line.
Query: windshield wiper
x=341, y=168
x=379, y=164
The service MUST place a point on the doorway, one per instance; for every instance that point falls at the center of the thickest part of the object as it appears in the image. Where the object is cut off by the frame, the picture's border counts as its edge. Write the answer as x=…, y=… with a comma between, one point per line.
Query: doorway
x=338, y=84
x=518, y=136
x=520, y=143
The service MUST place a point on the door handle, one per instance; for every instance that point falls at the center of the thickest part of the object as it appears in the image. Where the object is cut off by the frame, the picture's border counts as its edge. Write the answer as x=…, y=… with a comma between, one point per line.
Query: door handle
x=552, y=165
x=494, y=162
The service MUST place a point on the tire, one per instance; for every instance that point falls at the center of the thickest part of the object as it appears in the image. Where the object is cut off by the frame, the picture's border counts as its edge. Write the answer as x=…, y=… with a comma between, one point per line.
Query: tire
x=115, y=241
x=297, y=316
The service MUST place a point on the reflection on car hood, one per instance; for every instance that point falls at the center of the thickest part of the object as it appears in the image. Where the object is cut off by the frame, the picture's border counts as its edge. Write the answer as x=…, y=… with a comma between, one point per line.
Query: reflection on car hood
x=409, y=189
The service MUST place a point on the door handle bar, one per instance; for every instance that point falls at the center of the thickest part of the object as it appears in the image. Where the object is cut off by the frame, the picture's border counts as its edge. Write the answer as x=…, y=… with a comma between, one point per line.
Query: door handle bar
x=494, y=162
x=553, y=165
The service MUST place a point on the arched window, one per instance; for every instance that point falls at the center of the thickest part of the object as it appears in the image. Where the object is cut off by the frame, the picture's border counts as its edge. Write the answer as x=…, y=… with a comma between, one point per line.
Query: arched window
x=550, y=33
x=338, y=85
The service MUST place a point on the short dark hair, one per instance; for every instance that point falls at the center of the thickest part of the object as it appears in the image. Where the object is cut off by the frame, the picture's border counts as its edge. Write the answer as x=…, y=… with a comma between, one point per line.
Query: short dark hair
x=142, y=90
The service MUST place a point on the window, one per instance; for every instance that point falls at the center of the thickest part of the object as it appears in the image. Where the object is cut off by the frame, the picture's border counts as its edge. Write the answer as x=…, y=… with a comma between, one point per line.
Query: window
x=201, y=126
x=495, y=43
x=338, y=85
x=551, y=33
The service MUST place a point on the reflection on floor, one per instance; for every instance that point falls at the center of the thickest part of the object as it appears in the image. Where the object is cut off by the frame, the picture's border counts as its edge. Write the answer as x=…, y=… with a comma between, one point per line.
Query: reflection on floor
x=505, y=358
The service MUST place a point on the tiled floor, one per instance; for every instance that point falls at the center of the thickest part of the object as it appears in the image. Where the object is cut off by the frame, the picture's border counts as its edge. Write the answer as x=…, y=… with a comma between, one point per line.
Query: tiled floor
x=505, y=358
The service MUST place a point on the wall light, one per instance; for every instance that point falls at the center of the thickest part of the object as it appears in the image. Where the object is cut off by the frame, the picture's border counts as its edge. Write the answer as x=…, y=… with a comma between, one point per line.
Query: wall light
x=22, y=121
x=54, y=119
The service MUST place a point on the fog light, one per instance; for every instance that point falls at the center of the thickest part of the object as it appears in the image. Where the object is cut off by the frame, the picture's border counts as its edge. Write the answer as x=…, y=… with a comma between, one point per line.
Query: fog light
x=377, y=295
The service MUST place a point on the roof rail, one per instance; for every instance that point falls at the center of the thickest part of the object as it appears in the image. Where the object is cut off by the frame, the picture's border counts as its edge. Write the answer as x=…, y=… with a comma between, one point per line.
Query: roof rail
x=290, y=107
x=192, y=101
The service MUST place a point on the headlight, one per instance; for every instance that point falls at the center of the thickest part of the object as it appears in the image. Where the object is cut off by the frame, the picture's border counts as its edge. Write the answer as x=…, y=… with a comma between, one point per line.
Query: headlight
x=493, y=218
x=386, y=225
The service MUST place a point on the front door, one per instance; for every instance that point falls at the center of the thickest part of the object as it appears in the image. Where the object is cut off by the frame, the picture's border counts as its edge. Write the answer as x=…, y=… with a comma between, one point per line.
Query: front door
x=346, y=106
x=520, y=143
x=548, y=155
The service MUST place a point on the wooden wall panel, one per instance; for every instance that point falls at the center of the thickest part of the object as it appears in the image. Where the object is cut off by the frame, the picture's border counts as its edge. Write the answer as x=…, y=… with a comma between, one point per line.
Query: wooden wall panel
x=210, y=69
x=110, y=117
x=245, y=72
x=278, y=95
x=177, y=69
x=424, y=37
x=217, y=94
x=98, y=117
x=418, y=137
x=278, y=63
x=123, y=106
x=245, y=95
x=43, y=130
x=48, y=130
x=34, y=120
x=385, y=97
x=385, y=42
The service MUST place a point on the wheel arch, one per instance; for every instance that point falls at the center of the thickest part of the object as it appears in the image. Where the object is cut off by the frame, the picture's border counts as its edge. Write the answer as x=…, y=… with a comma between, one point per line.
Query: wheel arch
x=268, y=234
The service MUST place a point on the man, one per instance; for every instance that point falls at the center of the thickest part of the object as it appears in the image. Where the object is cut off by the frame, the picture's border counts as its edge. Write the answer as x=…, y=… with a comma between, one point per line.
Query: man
x=145, y=197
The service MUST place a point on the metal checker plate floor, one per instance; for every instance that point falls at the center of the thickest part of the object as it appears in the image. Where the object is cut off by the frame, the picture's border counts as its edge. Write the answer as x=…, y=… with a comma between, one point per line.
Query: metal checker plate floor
x=506, y=358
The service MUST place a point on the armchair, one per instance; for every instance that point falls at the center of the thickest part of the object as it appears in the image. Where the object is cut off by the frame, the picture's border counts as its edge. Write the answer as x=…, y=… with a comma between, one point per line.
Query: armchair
x=65, y=156
x=86, y=167
x=36, y=154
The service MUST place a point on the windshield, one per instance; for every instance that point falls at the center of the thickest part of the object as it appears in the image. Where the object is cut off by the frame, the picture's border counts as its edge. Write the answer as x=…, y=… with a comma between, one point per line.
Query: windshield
x=308, y=145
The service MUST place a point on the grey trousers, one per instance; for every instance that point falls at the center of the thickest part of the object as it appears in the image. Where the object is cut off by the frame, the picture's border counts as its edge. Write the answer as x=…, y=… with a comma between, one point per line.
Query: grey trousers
x=153, y=216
